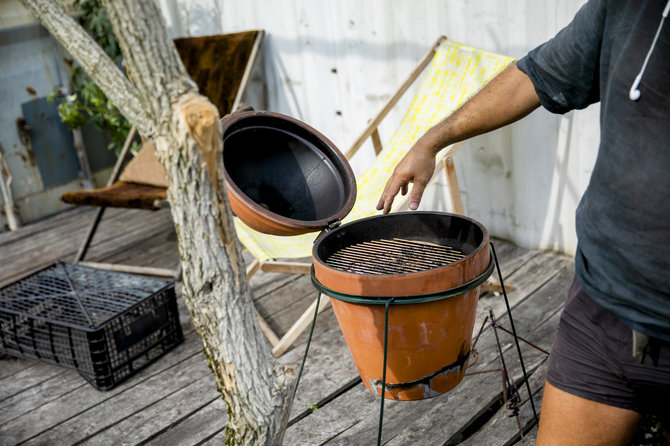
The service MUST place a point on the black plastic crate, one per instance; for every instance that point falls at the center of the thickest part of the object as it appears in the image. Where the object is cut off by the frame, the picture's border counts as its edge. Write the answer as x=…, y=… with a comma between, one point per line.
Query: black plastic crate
x=104, y=324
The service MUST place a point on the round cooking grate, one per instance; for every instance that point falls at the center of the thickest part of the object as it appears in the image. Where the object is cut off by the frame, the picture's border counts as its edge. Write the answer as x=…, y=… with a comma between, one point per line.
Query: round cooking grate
x=392, y=256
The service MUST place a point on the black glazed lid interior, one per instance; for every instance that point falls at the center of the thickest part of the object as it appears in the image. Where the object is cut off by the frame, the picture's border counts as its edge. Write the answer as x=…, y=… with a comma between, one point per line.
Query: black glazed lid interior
x=286, y=169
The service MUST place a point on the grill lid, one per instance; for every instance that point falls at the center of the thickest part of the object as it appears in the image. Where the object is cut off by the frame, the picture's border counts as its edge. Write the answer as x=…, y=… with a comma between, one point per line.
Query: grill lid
x=283, y=177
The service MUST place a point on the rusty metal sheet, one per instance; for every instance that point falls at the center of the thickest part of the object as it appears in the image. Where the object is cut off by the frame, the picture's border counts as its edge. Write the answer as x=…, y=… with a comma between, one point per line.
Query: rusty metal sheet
x=51, y=142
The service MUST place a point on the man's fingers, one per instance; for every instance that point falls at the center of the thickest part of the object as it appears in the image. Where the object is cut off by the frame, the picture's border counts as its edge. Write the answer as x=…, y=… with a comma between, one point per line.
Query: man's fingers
x=385, y=203
x=393, y=186
x=416, y=194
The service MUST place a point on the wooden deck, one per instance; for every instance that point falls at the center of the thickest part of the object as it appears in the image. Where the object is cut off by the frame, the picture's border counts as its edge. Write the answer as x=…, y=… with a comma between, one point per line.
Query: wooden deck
x=174, y=401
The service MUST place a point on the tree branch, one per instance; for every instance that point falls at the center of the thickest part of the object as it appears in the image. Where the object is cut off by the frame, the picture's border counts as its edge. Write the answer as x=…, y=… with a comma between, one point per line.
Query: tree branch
x=151, y=57
x=93, y=60
x=183, y=126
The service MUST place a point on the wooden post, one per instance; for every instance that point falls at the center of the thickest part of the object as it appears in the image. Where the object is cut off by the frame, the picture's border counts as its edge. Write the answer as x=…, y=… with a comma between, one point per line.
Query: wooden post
x=376, y=141
x=6, y=192
x=452, y=183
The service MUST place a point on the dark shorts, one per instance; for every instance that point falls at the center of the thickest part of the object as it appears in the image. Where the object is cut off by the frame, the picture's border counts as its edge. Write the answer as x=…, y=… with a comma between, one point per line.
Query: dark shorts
x=591, y=357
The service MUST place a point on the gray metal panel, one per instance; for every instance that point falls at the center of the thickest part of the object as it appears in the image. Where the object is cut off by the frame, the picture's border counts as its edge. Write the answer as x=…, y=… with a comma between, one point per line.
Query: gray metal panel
x=51, y=143
x=95, y=142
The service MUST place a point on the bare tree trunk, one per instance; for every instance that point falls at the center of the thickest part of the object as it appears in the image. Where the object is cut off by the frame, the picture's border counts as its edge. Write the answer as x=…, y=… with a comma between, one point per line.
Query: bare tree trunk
x=163, y=103
x=255, y=387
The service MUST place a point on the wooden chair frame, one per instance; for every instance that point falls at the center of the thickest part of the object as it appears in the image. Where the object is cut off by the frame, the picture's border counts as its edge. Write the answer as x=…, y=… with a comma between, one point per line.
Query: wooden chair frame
x=116, y=172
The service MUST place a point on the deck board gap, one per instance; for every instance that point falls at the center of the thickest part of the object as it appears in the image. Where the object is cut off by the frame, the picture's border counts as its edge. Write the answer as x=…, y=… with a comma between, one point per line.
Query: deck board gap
x=176, y=422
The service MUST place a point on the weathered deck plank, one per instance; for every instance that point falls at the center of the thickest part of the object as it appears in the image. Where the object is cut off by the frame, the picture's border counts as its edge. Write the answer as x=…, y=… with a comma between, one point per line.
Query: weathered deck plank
x=68, y=412
x=502, y=425
x=137, y=427
x=29, y=399
x=29, y=377
x=196, y=429
x=174, y=400
x=44, y=227
x=536, y=320
x=419, y=422
x=120, y=233
x=11, y=366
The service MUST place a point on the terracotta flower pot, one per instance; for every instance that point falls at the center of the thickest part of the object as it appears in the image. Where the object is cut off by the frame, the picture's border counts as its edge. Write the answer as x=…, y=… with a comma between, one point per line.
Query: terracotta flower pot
x=428, y=344
x=431, y=316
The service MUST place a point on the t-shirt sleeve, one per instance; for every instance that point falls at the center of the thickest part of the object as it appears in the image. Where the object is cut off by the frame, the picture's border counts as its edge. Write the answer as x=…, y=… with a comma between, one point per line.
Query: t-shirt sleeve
x=565, y=70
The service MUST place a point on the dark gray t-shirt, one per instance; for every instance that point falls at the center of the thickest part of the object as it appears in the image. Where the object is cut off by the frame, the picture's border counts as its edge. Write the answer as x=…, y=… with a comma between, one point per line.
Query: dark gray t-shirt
x=623, y=219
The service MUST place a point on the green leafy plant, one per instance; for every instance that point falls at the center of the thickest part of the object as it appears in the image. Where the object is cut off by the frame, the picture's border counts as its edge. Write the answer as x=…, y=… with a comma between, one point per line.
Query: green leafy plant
x=87, y=103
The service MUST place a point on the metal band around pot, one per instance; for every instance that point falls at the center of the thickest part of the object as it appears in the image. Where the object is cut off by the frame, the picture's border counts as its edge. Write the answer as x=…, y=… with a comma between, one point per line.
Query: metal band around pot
x=420, y=298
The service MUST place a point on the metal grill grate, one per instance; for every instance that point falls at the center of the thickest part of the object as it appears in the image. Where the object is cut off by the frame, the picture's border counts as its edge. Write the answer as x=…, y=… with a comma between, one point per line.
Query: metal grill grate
x=394, y=256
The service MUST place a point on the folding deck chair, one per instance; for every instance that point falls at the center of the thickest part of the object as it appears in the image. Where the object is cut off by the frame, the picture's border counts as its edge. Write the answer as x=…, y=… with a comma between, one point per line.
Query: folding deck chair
x=454, y=73
x=221, y=66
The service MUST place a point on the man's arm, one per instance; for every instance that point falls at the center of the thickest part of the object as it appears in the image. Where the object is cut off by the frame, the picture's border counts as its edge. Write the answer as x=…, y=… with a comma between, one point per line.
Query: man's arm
x=507, y=98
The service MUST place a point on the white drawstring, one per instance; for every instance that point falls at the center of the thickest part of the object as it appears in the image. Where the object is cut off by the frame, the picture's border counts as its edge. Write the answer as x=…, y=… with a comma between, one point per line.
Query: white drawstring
x=634, y=93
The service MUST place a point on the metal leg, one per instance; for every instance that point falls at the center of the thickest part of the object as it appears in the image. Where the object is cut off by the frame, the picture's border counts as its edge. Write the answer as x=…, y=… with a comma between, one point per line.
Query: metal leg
x=112, y=178
x=89, y=235
x=516, y=339
x=386, y=338
x=309, y=341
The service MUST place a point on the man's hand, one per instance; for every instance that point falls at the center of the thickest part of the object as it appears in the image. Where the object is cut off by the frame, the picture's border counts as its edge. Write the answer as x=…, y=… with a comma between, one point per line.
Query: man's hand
x=507, y=98
x=416, y=167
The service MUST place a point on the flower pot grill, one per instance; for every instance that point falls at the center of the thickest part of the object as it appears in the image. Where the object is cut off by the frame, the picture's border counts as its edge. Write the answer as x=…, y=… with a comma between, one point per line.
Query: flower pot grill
x=414, y=261
x=404, y=287
x=106, y=325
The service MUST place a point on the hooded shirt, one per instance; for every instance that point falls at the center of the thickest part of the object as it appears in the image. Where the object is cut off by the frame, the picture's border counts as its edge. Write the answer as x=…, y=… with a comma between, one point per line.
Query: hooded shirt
x=623, y=218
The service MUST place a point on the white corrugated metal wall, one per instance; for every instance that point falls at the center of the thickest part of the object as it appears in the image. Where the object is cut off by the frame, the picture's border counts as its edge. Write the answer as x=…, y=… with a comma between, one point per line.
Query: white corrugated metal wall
x=333, y=64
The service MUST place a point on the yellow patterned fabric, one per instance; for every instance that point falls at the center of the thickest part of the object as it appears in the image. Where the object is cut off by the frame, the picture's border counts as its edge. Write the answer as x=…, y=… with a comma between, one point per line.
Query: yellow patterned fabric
x=454, y=75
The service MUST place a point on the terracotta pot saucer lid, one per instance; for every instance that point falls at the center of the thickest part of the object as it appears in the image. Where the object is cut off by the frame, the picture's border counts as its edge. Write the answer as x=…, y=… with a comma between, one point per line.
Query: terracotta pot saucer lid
x=283, y=177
